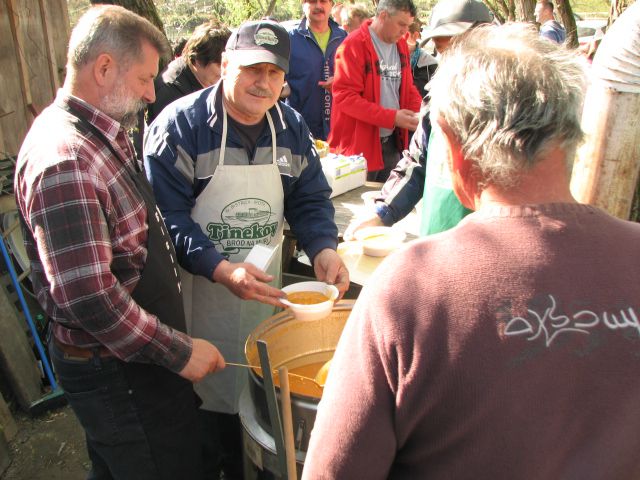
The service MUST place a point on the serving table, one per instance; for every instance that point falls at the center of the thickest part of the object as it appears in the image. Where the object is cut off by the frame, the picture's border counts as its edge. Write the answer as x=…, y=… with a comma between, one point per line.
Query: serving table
x=348, y=206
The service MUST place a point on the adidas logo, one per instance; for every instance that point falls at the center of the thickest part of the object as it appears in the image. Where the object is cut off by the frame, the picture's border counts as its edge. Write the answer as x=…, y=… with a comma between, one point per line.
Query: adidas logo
x=282, y=161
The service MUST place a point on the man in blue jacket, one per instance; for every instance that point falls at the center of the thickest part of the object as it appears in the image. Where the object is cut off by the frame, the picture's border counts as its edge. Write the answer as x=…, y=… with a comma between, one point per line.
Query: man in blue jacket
x=313, y=49
x=549, y=27
x=228, y=165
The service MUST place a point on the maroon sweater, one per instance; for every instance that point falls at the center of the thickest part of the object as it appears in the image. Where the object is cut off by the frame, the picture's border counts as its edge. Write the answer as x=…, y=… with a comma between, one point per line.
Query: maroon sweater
x=508, y=347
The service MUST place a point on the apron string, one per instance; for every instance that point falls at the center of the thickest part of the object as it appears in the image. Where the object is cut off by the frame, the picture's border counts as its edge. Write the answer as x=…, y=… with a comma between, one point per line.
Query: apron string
x=223, y=144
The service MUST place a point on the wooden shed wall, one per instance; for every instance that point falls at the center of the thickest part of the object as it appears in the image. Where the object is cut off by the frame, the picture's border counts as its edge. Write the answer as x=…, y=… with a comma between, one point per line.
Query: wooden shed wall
x=33, y=44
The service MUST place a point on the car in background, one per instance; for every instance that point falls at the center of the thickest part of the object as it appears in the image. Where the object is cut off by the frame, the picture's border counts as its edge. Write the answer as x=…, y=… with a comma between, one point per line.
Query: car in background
x=590, y=29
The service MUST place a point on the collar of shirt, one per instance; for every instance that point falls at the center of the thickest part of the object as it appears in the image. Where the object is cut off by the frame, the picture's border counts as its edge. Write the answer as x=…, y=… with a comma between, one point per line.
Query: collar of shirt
x=110, y=128
x=107, y=125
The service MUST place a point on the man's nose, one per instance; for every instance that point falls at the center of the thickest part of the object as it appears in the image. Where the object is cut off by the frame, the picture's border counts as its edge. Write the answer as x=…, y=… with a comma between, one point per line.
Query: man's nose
x=262, y=79
x=149, y=94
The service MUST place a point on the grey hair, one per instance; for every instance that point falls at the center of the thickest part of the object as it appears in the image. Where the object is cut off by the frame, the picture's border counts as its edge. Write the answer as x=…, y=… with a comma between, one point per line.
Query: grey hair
x=395, y=6
x=508, y=96
x=114, y=30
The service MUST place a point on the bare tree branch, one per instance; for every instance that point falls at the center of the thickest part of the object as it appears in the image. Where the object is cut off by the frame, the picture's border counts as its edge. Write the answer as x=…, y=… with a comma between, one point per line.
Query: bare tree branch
x=270, y=8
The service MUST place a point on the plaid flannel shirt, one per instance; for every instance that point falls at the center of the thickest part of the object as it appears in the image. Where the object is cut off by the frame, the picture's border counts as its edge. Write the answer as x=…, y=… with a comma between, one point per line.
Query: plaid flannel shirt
x=87, y=236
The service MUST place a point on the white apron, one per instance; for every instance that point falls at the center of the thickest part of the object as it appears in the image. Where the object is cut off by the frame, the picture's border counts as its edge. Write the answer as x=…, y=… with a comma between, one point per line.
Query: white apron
x=241, y=205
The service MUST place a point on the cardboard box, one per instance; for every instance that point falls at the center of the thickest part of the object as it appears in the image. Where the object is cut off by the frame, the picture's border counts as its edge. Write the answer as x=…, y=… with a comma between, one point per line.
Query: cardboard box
x=344, y=173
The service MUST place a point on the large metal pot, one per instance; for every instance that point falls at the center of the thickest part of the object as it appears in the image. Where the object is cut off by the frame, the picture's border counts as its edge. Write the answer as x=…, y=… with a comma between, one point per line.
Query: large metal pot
x=293, y=343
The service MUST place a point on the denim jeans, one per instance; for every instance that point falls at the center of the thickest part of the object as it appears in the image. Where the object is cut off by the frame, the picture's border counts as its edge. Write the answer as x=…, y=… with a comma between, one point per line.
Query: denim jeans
x=390, y=156
x=139, y=419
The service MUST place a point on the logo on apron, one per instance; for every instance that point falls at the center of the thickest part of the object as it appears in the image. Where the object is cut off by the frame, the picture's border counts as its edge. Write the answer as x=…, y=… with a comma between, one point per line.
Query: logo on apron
x=244, y=223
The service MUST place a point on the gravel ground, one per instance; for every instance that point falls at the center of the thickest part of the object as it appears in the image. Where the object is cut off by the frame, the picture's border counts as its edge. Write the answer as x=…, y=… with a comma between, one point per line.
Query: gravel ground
x=48, y=447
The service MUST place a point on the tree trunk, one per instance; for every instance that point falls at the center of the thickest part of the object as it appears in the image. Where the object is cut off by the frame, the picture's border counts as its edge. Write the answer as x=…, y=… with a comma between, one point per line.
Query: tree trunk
x=503, y=10
x=524, y=10
x=568, y=20
x=270, y=8
x=144, y=8
x=635, y=209
x=617, y=7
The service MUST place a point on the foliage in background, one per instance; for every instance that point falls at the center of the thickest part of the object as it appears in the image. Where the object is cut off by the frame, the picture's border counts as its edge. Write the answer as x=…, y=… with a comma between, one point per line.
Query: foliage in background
x=144, y=8
x=180, y=17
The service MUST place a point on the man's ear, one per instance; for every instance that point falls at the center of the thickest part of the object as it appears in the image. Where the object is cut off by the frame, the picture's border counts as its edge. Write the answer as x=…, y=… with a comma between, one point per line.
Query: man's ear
x=465, y=183
x=104, y=69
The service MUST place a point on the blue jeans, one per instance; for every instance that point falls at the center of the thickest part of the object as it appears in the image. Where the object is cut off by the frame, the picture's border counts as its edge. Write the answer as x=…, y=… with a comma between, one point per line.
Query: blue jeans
x=139, y=419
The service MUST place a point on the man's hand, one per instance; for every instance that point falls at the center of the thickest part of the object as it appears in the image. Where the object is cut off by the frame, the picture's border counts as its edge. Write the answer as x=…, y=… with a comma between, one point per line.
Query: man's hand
x=330, y=268
x=248, y=282
x=371, y=219
x=327, y=84
x=406, y=119
x=205, y=359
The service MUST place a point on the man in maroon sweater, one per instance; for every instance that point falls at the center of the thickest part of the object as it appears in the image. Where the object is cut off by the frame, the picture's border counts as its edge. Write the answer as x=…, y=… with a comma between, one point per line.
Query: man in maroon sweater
x=509, y=346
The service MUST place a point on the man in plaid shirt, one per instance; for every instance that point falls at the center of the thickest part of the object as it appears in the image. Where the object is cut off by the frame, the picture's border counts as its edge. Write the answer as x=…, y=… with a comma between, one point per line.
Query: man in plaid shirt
x=103, y=267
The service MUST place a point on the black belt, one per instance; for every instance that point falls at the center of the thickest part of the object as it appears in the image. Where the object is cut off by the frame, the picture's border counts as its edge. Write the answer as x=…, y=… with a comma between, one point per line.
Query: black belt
x=71, y=351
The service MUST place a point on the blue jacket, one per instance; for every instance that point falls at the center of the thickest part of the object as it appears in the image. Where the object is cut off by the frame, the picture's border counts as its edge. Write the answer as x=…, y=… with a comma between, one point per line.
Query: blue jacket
x=405, y=186
x=181, y=154
x=307, y=66
x=553, y=31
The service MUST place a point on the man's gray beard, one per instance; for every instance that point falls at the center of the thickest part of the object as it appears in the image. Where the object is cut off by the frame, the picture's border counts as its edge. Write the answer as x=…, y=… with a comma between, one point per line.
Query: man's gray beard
x=130, y=119
x=122, y=107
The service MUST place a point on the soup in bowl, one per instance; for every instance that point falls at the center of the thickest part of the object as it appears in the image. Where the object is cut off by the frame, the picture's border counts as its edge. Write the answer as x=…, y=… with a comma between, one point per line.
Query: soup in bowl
x=310, y=300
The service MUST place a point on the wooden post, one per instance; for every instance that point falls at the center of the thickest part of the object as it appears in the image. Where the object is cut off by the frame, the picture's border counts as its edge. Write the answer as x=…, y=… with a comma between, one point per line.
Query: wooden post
x=607, y=166
x=51, y=54
x=16, y=32
x=287, y=423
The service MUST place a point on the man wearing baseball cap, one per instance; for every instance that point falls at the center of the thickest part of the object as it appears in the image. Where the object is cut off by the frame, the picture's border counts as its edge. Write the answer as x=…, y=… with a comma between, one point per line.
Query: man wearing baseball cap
x=228, y=165
x=414, y=177
x=452, y=18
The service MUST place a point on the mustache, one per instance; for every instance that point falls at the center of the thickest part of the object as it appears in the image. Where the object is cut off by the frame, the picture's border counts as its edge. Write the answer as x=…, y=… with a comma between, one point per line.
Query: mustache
x=259, y=92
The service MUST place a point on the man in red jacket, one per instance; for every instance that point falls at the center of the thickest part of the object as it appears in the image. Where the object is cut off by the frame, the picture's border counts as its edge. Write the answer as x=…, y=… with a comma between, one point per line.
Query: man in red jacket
x=375, y=103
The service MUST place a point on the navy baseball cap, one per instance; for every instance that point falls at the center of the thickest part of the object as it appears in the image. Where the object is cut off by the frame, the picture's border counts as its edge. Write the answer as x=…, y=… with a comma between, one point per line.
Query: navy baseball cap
x=261, y=41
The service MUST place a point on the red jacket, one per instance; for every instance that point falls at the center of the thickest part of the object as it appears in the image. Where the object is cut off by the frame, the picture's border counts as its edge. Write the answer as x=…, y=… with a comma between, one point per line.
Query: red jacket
x=356, y=114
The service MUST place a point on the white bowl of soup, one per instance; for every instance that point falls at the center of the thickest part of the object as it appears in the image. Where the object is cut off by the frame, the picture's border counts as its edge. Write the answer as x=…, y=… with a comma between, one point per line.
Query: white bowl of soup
x=379, y=241
x=310, y=300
